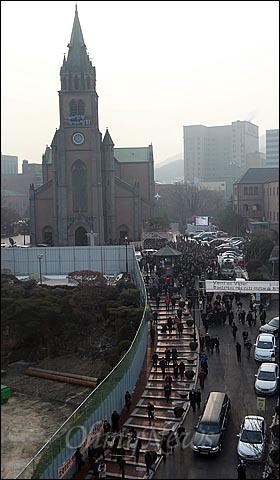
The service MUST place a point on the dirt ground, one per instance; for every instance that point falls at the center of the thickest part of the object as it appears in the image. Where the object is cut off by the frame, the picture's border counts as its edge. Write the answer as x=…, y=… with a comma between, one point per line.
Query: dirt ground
x=36, y=409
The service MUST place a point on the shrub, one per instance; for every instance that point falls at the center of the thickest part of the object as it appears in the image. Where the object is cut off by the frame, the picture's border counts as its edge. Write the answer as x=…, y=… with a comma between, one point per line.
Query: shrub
x=189, y=374
x=178, y=411
x=190, y=322
x=193, y=346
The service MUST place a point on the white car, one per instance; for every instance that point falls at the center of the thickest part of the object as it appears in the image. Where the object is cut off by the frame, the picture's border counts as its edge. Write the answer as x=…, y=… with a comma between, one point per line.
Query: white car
x=270, y=327
x=265, y=348
x=267, y=379
x=251, y=444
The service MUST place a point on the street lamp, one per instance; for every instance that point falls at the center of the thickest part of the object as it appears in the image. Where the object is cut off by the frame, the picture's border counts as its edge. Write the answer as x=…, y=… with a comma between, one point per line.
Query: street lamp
x=40, y=256
x=126, y=264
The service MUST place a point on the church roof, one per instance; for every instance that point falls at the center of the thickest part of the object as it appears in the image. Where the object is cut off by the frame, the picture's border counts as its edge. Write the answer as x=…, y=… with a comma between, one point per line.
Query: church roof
x=167, y=252
x=259, y=175
x=77, y=59
x=107, y=140
x=132, y=155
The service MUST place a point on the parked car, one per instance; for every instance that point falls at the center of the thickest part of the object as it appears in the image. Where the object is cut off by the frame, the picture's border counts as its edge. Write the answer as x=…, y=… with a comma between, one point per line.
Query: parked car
x=148, y=252
x=271, y=327
x=251, y=444
x=267, y=379
x=235, y=239
x=265, y=347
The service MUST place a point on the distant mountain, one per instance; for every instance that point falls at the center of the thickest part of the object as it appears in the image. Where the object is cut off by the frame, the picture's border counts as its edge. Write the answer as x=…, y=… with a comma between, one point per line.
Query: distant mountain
x=168, y=160
x=171, y=171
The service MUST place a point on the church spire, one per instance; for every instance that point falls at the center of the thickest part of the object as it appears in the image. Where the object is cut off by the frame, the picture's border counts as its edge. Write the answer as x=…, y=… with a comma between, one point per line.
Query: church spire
x=77, y=72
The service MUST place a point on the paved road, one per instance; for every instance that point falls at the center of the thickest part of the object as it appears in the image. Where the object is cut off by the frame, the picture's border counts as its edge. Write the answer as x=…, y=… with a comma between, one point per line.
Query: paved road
x=237, y=379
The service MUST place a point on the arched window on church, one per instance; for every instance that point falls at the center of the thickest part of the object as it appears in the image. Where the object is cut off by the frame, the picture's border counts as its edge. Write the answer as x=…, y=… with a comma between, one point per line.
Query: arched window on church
x=79, y=187
x=88, y=83
x=76, y=83
x=73, y=108
x=81, y=107
x=64, y=84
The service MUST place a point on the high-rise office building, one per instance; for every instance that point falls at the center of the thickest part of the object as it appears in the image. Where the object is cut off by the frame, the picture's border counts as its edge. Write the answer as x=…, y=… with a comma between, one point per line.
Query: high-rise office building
x=272, y=148
x=9, y=164
x=218, y=153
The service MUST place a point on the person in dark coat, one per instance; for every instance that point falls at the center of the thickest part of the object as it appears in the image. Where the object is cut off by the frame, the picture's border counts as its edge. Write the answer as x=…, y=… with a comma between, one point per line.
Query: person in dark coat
x=164, y=448
x=181, y=369
x=162, y=364
x=212, y=344
x=137, y=449
x=241, y=471
x=192, y=398
x=151, y=412
x=79, y=459
x=238, y=351
x=181, y=431
x=106, y=426
x=152, y=334
x=167, y=391
x=207, y=341
x=127, y=398
x=171, y=441
x=155, y=360
x=198, y=397
x=217, y=344
x=234, y=330
x=115, y=418
x=201, y=376
x=169, y=324
x=149, y=460
x=245, y=335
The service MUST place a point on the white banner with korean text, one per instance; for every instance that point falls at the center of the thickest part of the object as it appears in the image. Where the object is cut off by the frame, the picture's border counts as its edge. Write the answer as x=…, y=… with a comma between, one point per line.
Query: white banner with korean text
x=241, y=287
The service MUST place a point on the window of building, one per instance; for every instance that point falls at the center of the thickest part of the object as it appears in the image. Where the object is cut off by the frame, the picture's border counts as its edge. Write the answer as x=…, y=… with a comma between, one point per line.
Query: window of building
x=81, y=107
x=245, y=190
x=270, y=216
x=273, y=191
x=73, y=108
x=256, y=190
x=270, y=191
x=88, y=83
x=273, y=215
x=250, y=190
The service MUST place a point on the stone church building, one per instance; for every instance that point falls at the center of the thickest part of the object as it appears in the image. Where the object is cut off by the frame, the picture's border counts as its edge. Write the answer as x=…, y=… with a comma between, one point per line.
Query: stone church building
x=92, y=193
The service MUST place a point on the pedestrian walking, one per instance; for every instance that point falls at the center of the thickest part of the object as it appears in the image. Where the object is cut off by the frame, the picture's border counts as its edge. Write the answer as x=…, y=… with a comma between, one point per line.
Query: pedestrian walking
x=181, y=369
x=248, y=346
x=164, y=448
x=79, y=459
x=152, y=335
x=234, y=330
x=230, y=317
x=171, y=441
x=167, y=302
x=207, y=342
x=198, y=397
x=245, y=335
x=192, y=398
x=174, y=354
x=155, y=317
x=212, y=344
x=201, y=341
x=138, y=447
x=169, y=324
x=175, y=369
x=241, y=471
x=127, y=398
x=181, y=432
x=263, y=317
x=157, y=300
x=180, y=328
x=217, y=344
x=201, y=376
x=167, y=391
x=115, y=418
x=149, y=460
x=162, y=364
x=238, y=351
x=151, y=412
x=155, y=360
x=167, y=354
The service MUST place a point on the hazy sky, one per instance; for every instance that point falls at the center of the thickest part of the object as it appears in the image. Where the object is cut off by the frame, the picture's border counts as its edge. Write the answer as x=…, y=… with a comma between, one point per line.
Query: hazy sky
x=159, y=65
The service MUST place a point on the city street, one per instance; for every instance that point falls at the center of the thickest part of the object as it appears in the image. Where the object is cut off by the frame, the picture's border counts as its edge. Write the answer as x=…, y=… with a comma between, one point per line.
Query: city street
x=236, y=379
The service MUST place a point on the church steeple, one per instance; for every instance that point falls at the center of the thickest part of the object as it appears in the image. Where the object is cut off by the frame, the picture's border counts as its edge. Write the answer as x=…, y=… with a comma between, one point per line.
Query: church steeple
x=77, y=72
